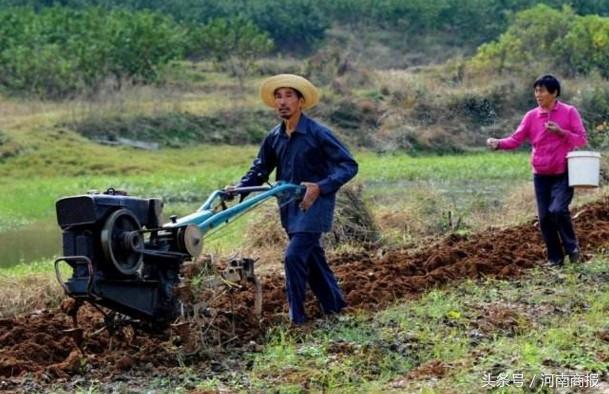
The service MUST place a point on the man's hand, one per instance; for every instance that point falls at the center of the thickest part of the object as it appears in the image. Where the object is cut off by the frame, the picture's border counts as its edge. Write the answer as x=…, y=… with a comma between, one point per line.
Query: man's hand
x=229, y=192
x=310, y=196
x=553, y=127
x=492, y=143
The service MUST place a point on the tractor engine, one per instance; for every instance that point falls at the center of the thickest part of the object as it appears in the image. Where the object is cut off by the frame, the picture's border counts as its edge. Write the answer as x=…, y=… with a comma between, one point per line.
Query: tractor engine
x=121, y=255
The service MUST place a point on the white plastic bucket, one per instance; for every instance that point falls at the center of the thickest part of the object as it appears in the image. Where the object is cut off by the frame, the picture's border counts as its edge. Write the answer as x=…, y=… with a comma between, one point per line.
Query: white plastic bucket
x=584, y=168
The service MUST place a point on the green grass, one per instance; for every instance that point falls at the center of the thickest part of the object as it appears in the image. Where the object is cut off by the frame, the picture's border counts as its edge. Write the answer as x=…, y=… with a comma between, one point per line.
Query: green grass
x=188, y=176
x=43, y=266
x=176, y=176
x=427, y=187
x=464, y=167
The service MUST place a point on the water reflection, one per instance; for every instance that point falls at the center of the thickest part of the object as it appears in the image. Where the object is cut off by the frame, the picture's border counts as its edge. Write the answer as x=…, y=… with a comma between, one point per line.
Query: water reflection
x=32, y=242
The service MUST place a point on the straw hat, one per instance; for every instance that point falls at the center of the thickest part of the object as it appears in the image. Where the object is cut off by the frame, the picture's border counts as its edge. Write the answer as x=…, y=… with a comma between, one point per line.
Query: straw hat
x=308, y=90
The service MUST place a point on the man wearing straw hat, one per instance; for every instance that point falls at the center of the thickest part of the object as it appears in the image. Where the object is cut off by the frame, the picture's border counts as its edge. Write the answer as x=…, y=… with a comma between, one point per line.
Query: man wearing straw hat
x=554, y=129
x=305, y=152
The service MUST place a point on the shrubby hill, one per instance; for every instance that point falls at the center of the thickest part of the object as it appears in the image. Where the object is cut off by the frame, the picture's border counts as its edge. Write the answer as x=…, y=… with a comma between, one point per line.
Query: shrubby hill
x=439, y=75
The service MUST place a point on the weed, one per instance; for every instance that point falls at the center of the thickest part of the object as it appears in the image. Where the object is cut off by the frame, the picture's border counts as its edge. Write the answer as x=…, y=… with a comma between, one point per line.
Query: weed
x=27, y=287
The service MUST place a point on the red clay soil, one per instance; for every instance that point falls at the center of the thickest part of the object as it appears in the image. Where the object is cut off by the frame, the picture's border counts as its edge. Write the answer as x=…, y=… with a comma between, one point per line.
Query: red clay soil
x=45, y=343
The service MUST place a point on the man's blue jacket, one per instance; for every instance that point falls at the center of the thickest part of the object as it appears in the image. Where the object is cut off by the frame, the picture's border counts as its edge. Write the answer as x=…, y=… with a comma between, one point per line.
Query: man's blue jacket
x=311, y=154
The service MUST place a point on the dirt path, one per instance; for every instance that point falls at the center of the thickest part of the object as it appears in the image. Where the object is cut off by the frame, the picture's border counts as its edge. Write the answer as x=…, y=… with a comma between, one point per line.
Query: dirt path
x=45, y=344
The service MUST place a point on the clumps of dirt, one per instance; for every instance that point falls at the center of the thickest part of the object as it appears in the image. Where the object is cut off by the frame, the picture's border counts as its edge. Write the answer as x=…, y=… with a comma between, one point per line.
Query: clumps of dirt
x=430, y=369
x=46, y=344
x=370, y=282
x=501, y=318
x=604, y=335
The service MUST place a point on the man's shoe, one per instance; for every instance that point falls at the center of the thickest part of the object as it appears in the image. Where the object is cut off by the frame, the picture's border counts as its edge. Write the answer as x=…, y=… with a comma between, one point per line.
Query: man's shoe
x=574, y=257
x=554, y=264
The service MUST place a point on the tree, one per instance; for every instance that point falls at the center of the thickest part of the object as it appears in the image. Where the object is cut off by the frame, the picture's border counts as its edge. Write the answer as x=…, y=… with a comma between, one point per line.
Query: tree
x=142, y=42
x=586, y=46
x=294, y=25
x=234, y=44
x=565, y=42
x=61, y=51
x=527, y=45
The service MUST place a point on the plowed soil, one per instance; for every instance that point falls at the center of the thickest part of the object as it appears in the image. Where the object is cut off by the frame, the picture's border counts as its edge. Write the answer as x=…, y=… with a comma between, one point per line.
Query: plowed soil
x=45, y=344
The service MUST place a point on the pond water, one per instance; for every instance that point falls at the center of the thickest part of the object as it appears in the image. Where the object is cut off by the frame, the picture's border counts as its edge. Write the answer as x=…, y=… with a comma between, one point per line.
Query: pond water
x=35, y=241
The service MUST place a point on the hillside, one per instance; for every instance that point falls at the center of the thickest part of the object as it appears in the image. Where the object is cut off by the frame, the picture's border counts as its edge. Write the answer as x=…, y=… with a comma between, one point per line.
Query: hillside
x=401, y=86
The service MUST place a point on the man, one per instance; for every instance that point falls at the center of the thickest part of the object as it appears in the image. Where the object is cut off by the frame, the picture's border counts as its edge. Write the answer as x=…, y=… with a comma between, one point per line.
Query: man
x=554, y=129
x=304, y=152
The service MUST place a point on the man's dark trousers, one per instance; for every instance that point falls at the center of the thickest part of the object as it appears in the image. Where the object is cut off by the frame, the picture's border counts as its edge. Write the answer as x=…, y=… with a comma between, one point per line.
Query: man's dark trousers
x=553, y=196
x=305, y=262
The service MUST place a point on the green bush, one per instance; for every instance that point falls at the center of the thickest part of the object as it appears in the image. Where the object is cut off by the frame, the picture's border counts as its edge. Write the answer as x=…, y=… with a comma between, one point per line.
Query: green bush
x=40, y=70
x=527, y=45
x=593, y=105
x=234, y=44
x=466, y=21
x=61, y=51
x=585, y=48
x=565, y=42
x=296, y=25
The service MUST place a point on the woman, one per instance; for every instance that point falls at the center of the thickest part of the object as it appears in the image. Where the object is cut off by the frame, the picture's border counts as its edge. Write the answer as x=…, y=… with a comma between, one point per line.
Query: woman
x=553, y=129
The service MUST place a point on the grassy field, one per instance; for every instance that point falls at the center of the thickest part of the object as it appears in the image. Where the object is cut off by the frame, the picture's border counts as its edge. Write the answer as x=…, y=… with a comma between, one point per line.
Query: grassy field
x=188, y=176
x=421, y=191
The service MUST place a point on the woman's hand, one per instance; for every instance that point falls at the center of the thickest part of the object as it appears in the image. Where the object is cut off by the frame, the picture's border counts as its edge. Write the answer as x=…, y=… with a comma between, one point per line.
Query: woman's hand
x=492, y=143
x=554, y=128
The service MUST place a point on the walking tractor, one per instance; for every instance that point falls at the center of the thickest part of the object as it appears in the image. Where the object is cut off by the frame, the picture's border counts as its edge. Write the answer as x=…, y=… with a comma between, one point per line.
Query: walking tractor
x=125, y=259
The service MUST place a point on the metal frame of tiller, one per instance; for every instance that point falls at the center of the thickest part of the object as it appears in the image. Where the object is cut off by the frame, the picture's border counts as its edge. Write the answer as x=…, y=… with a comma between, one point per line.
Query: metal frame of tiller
x=124, y=259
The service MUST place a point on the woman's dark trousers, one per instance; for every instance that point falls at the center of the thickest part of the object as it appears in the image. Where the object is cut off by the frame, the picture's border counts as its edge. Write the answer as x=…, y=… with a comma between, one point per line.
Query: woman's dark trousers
x=553, y=196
